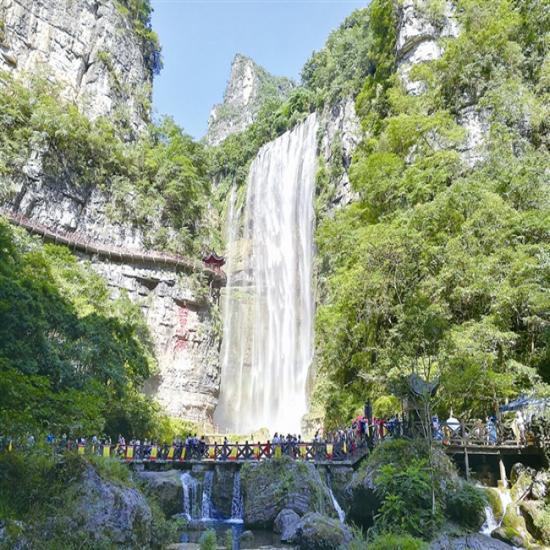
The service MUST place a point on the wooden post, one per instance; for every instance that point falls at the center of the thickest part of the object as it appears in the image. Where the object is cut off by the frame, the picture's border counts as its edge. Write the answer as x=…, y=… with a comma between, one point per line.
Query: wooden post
x=467, y=463
x=502, y=469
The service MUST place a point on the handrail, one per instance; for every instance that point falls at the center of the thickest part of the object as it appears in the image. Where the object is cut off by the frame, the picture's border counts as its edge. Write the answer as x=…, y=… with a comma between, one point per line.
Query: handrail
x=316, y=452
x=81, y=242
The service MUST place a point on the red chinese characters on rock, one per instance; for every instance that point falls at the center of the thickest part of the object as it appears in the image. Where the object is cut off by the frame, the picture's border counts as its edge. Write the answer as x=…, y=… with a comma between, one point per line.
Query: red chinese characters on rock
x=182, y=332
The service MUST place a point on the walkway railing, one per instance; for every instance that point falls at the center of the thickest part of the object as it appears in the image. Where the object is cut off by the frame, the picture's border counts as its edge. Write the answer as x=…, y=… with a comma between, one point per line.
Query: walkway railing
x=231, y=452
x=85, y=244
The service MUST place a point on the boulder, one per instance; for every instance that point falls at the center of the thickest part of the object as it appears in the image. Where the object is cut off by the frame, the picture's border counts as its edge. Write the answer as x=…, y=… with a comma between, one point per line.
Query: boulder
x=362, y=489
x=111, y=511
x=246, y=536
x=534, y=514
x=513, y=529
x=271, y=486
x=286, y=523
x=520, y=470
x=222, y=489
x=469, y=542
x=541, y=482
x=318, y=532
x=166, y=487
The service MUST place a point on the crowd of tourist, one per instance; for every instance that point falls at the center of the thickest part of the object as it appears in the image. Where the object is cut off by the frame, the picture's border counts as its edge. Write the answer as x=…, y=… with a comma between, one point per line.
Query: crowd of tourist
x=335, y=445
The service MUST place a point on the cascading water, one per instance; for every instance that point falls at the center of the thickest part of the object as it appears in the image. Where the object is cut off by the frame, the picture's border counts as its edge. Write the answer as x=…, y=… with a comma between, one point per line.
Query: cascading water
x=190, y=492
x=336, y=504
x=207, y=496
x=491, y=522
x=237, y=500
x=268, y=307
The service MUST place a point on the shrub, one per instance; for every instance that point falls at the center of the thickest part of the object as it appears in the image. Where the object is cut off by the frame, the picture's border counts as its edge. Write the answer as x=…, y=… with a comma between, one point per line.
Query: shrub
x=397, y=542
x=208, y=540
x=466, y=505
x=408, y=504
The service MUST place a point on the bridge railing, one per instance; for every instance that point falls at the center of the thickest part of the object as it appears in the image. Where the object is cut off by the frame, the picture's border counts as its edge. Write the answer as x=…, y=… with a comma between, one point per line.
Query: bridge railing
x=237, y=452
x=474, y=433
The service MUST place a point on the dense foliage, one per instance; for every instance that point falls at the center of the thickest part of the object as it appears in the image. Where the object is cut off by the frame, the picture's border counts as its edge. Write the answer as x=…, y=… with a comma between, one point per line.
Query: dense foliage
x=158, y=180
x=71, y=358
x=41, y=500
x=441, y=268
x=417, y=489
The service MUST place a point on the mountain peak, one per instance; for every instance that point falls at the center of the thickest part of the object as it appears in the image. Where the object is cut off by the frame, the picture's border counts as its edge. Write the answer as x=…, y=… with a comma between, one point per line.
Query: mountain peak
x=248, y=88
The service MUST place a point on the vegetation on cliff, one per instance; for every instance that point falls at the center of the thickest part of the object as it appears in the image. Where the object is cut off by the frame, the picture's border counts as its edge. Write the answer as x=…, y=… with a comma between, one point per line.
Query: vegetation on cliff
x=158, y=182
x=441, y=267
x=71, y=359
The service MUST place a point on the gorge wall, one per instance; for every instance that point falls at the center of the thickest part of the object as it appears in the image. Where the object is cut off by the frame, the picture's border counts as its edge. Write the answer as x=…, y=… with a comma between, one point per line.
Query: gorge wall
x=88, y=47
x=91, y=50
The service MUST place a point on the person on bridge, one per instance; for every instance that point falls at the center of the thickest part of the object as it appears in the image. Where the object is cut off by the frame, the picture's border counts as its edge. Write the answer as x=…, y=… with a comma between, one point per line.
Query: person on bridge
x=491, y=429
x=518, y=427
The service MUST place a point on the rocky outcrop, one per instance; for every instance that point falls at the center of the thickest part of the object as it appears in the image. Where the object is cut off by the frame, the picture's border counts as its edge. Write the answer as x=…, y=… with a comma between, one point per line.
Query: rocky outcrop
x=272, y=486
x=166, y=488
x=525, y=521
x=318, y=532
x=112, y=512
x=286, y=524
x=91, y=50
x=421, y=27
x=178, y=308
x=340, y=133
x=87, y=46
x=248, y=88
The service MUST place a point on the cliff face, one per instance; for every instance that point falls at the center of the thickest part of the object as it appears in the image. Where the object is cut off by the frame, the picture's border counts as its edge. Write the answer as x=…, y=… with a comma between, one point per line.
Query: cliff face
x=419, y=36
x=87, y=46
x=91, y=50
x=248, y=88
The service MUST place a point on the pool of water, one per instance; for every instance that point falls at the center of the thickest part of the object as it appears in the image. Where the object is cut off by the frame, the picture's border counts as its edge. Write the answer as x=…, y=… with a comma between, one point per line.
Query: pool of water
x=260, y=540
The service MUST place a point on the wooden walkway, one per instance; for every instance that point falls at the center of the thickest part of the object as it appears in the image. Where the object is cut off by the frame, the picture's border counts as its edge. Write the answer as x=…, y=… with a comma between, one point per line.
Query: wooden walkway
x=84, y=244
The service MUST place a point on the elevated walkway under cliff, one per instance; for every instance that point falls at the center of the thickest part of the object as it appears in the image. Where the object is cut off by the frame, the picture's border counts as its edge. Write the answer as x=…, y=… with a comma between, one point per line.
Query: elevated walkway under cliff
x=83, y=243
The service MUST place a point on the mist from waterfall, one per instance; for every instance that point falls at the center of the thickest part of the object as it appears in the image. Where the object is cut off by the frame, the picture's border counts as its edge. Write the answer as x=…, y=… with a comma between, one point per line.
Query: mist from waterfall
x=268, y=306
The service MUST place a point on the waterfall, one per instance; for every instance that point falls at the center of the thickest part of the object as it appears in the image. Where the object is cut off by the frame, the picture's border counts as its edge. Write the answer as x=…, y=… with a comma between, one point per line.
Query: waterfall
x=190, y=493
x=491, y=522
x=207, y=495
x=268, y=306
x=337, y=507
x=237, y=500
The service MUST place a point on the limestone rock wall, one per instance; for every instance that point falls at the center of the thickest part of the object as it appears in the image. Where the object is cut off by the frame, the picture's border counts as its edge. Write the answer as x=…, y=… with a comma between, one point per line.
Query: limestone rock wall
x=90, y=49
x=249, y=86
x=419, y=38
x=87, y=46
x=185, y=330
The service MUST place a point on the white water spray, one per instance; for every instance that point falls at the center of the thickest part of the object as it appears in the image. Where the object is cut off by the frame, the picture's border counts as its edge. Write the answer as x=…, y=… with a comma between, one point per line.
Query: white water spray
x=269, y=307
x=237, y=500
x=190, y=487
x=491, y=522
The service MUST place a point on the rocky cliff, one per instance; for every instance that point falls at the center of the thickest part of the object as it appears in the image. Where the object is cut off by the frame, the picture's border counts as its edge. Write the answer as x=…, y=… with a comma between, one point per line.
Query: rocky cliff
x=248, y=88
x=87, y=46
x=421, y=31
x=90, y=48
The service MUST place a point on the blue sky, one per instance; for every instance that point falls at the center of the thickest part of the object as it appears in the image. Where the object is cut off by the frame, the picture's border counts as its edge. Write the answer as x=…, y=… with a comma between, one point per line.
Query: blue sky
x=200, y=38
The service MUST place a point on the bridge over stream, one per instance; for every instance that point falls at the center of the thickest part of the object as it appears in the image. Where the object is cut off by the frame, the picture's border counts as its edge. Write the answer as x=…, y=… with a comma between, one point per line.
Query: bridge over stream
x=470, y=445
